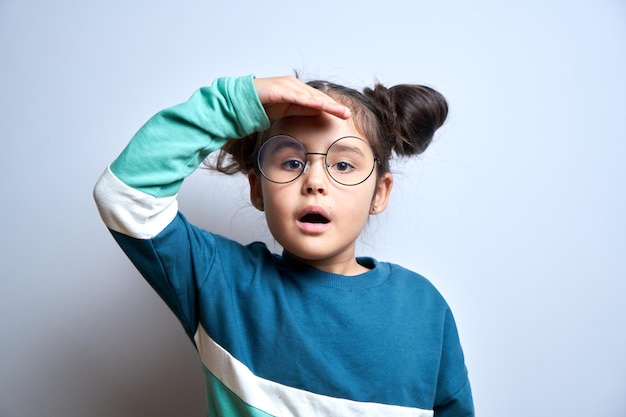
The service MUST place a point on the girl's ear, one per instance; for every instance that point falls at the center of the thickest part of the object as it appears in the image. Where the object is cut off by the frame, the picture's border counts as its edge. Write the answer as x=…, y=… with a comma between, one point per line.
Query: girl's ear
x=381, y=194
x=256, y=192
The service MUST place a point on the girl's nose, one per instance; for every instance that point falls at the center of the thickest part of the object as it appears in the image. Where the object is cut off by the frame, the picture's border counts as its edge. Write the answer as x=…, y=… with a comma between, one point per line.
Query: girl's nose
x=315, y=176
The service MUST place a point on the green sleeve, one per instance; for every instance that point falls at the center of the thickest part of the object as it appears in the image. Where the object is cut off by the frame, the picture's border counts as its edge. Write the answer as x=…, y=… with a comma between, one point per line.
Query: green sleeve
x=174, y=142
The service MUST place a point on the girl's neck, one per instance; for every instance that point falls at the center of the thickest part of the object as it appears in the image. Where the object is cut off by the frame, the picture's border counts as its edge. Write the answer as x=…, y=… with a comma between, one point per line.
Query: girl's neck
x=348, y=267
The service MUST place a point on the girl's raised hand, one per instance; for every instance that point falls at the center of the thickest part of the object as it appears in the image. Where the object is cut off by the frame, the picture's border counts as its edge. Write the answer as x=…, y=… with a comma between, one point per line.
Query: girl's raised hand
x=287, y=96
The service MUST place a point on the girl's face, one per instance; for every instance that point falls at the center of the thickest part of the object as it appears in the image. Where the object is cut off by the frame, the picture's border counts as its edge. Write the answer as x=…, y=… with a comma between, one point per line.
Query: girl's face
x=314, y=218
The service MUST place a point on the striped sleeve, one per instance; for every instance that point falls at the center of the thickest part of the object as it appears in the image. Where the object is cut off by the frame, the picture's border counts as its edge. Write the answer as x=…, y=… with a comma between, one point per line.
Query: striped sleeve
x=136, y=194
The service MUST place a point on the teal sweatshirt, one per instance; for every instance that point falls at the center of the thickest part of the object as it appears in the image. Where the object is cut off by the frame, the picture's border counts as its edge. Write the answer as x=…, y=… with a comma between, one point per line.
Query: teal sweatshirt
x=276, y=337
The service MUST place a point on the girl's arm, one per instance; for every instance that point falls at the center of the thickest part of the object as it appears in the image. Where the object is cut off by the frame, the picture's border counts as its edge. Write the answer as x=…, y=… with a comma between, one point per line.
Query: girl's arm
x=173, y=143
x=136, y=195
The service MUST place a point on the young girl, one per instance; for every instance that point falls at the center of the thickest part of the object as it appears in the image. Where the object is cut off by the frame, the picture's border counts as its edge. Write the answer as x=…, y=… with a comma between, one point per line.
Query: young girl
x=314, y=331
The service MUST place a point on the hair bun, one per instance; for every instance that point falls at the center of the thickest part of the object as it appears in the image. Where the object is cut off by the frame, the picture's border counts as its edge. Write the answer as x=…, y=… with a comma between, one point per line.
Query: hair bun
x=411, y=115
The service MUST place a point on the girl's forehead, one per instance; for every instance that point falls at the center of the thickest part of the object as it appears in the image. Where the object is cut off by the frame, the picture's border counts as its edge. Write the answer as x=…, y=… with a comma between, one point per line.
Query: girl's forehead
x=323, y=129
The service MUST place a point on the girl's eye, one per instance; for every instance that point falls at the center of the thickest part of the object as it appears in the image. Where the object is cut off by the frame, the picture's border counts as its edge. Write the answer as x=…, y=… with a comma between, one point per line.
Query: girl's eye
x=343, y=167
x=293, y=165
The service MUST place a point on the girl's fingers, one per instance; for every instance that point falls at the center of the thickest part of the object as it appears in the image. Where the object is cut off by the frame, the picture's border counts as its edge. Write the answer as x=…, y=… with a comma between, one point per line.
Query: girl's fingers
x=288, y=96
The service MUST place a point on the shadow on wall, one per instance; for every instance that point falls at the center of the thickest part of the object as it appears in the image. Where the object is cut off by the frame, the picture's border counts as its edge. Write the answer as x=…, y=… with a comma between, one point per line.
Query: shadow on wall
x=129, y=361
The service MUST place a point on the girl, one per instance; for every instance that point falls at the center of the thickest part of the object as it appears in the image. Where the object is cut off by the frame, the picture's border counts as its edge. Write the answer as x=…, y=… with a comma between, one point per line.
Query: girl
x=314, y=331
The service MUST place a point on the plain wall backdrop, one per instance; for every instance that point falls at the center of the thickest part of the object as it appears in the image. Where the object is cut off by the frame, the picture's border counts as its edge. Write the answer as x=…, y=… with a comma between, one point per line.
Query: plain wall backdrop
x=516, y=212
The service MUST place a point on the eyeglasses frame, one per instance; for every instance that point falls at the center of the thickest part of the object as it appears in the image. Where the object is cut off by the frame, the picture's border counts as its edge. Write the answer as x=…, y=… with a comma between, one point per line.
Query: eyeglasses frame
x=326, y=164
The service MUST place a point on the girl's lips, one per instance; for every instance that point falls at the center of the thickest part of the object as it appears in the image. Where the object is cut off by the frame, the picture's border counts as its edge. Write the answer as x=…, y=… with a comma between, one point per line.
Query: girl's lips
x=312, y=228
x=313, y=220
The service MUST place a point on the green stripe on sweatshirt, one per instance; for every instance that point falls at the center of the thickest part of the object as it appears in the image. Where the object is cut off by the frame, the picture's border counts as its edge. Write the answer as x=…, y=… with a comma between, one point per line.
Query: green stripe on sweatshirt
x=174, y=142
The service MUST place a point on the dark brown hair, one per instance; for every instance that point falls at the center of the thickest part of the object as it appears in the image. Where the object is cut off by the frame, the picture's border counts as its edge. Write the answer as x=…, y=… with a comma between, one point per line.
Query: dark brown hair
x=401, y=119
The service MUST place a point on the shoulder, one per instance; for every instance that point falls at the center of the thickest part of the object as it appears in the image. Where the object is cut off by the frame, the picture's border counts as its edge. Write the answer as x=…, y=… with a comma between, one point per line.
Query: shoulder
x=398, y=272
x=411, y=284
x=230, y=251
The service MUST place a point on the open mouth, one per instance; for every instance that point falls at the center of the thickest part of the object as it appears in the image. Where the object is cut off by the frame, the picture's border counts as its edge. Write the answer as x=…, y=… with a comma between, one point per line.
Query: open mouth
x=314, y=218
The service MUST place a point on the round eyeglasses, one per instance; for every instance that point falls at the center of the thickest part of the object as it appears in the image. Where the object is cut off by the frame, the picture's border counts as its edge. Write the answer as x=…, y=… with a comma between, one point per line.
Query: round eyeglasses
x=349, y=160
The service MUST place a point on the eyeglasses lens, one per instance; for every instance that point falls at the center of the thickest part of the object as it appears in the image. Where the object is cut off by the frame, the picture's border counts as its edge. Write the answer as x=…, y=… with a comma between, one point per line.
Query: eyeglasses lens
x=348, y=161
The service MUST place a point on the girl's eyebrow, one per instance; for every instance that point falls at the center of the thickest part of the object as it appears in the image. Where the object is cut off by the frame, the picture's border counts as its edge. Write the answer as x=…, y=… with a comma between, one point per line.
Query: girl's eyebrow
x=295, y=143
x=347, y=148
x=290, y=144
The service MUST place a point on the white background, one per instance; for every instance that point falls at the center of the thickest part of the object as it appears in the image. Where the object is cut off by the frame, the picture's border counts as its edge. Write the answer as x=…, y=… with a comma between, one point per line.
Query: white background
x=516, y=212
